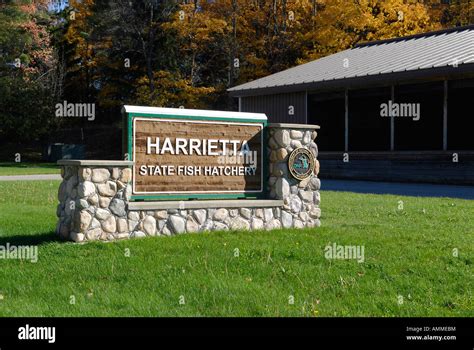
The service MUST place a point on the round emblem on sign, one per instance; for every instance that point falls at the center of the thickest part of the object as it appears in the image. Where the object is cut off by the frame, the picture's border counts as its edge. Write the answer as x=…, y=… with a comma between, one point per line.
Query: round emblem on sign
x=301, y=163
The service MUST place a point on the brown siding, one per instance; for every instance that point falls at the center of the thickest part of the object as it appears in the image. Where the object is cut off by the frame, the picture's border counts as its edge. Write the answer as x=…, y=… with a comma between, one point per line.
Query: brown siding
x=276, y=107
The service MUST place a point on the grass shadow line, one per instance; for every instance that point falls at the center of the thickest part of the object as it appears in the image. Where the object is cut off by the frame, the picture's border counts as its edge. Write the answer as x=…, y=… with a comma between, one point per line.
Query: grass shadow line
x=37, y=239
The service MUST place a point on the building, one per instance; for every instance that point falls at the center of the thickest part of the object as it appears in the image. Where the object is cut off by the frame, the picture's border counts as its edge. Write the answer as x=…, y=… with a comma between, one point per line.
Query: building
x=354, y=95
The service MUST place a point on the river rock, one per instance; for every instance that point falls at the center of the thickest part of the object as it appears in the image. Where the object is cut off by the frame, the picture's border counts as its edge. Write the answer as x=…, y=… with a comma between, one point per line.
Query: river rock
x=121, y=225
x=191, y=225
x=109, y=224
x=104, y=202
x=161, y=214
x=149, y=225
x=117, y=206
x=273, y=224
x=126, y=175
x=177, y=223
x=282, y=188
x=100, y=175
x=85, y=189
x=239, y=223
x=246, y=213
x=286, y=219
x=282, y=137
x=200, y=215
x=102, y=214
x=108, y=189
x=296, y=134
x=221, y=214
x=257, y=224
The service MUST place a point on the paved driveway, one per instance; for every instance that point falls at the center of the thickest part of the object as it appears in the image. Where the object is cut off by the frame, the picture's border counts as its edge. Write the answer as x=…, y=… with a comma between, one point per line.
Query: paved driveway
x=30, y=177
x=404, y=189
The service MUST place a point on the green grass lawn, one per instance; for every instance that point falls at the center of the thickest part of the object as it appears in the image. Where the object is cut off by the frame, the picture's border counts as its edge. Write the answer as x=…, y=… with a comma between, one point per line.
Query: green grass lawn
x=408, y=254
x=12, y=168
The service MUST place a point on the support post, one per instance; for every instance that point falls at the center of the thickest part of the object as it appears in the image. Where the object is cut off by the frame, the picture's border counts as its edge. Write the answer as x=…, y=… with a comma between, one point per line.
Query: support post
x=445, y=117
x=306, y=105
x=346, y=121
x=392, y=121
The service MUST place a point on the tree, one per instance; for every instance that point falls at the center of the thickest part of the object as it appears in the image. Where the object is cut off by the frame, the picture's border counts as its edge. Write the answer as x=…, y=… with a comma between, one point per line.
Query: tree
x=340, y=24
x=29, y=74
x=173, y=91
x=114, y=47
x=453, y=13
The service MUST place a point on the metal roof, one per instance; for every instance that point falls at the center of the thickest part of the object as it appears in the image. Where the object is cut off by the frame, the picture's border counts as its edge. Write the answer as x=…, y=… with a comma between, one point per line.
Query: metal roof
x=448, y=50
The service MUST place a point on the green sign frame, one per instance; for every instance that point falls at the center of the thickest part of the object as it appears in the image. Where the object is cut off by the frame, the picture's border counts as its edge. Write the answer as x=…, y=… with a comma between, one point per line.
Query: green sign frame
x=127, y=145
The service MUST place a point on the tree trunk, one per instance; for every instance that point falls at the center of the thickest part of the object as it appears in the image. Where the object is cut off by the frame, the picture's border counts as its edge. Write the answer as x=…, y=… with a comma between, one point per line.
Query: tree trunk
x=148, y=49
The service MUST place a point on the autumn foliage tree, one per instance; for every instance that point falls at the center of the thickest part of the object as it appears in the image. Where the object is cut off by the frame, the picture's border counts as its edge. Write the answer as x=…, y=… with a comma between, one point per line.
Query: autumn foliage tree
x=30, y=76
x=341, y=24
x=227, y=42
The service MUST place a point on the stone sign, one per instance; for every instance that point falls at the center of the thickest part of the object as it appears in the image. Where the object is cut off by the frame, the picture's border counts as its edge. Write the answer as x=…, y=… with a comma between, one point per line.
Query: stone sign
x=97, y=200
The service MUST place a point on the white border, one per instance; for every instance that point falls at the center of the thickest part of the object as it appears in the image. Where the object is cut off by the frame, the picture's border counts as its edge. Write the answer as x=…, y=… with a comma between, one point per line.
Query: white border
x=198, y=122
x=205, y=114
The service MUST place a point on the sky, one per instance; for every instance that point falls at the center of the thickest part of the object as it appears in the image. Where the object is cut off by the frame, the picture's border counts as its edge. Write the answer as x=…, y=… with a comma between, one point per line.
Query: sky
x=57, y=5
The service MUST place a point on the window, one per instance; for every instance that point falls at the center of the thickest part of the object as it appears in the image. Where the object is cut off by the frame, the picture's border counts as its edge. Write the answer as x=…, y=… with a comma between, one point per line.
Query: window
x=368, y=130
x=426, y=133
x=327, y=110
x=460, y=115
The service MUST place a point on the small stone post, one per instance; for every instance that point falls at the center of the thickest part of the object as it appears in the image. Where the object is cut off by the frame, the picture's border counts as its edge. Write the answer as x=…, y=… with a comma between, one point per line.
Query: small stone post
x=93, y=200
x=301, y=198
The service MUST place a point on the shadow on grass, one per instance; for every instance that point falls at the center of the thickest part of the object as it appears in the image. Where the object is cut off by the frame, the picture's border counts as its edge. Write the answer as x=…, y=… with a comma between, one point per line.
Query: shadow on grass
x=38, y=239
